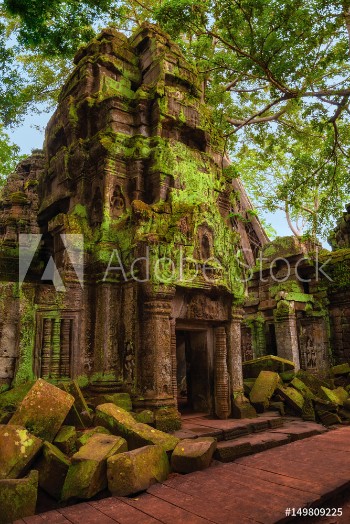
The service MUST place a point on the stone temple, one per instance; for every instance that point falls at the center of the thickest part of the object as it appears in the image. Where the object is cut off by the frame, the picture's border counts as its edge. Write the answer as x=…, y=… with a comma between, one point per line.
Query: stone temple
x=142, y=240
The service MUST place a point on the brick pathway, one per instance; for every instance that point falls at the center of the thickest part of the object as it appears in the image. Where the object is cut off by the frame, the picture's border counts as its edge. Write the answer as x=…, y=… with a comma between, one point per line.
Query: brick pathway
x=256, y=488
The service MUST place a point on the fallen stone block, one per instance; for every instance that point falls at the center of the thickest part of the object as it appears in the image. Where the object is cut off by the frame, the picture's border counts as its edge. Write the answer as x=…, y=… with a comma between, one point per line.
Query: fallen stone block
x=308, y=412
x=300, y=386
x=277, y=406
x=43, y=410
x=293, y=398
x=79, y=414
x=328, y=418
x=193, y=454
x=145, y=417
x=337, y=396
x=252, y=368
x=311, y=381
x=65, y=439
x=122, y=400
x=242, y=408
x=340, y=369
x=53, y=468
x=232, y=449
x=287, y=376
x=87, y=474
x=167, y=419
x=18, y=497
x=263, y=389
x=9, y=401
x=120, y=422
x=84, y=436
x=18, y=448
x=136, y=470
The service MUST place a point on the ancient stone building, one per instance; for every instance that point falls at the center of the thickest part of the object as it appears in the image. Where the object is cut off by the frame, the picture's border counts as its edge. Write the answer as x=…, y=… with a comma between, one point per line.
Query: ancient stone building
x=132, y=191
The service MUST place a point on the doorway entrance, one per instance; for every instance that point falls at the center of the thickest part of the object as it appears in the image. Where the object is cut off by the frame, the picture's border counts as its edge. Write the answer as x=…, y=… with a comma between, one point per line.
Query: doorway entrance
x=195, y=378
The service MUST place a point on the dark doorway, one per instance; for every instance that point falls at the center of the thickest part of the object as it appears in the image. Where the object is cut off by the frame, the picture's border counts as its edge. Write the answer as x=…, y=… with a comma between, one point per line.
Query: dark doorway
x=194, y=370
x=271, y=339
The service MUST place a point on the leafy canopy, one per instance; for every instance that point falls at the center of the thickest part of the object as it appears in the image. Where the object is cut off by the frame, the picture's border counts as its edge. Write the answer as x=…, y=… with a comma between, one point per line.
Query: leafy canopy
x=275, y=72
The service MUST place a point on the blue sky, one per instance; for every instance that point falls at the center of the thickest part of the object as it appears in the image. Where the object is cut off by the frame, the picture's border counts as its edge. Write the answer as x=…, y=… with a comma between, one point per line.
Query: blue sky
x=30, y=135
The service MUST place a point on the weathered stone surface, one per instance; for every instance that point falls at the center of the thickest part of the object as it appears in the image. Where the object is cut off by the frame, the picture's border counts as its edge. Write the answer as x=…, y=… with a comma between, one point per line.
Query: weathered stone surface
x=341, y=369
x=121, y=400
x=52, y=467
x=87, y=474
x=79, y=414
x=145, y=417
x=287, y=376
x=43, y=410
x=193, y=454
x=85, y=435
x=328, y=418
x=302, y=388
x=292, y=397
x=9, y=401
x=18, y=497
x=120, y=422
x=308, y=412
x=277, y=406
x=263, y=389
x=242, y=408
x=252, y=368
x=167, y=419
x=65, y=439
x=18, y=449
x=136, y=470
x=311, y=381
x=337, y=396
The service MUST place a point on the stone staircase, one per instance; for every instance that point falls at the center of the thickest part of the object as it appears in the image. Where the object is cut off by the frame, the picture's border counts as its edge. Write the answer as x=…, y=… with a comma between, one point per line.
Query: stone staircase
x=240, y=437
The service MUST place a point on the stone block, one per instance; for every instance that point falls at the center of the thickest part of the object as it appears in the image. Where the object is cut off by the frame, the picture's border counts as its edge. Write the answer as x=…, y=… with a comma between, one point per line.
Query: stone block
x=311, y=381
x=65, y=439
x=53, y=468
x=122, y=400
x=9, y=400
x=84, y=436
x=145, y=417
x=120, y=422
x=79, y=414
x=300, y=386
x=136, y=470
x=167, y=419
x=43, y=410
x=293, y=398
x=87, y=474
x=340, y=369
x=18, y=497
x=242, y=408
x=193, y=454
x=308, y=411
x=337, y=396
x=252, y=368
x=263, y=389
x=18, y=448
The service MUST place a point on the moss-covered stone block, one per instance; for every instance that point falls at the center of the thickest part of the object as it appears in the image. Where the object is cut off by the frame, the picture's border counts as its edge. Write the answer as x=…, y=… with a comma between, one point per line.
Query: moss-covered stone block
x=84, y=436
x=340, y=369
x=87, y=474
x=242, y=408
x=287, y=376
x=10, y=400
x=145, y=416
x=65, y=439
x=167, y=419
x=18, y=448
x=293, y=398
x=337, y=396
x=263, y=389
x=18, y=497
x=308, y=411
x=193, y=454
x=79, y=414
x=120, y=422
x=311, y=381
x=122, y=400
x=53, y=468
x=136, y=470
x=300, y=386
x=43, y=410
x=252, y=368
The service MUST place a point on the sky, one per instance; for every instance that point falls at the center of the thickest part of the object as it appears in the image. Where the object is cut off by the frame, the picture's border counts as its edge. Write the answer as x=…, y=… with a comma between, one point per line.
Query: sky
x=30, y=135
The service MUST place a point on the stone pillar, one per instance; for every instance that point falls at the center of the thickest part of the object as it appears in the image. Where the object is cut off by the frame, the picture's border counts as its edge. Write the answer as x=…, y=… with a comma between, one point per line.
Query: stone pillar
x=222, y=394
x=156, y=358
x=241, y=408
x=286, y=333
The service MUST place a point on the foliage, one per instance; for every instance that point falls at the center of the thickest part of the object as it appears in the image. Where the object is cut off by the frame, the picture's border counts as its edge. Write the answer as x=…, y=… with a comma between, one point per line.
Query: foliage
x=276, y=73
x=9, y=156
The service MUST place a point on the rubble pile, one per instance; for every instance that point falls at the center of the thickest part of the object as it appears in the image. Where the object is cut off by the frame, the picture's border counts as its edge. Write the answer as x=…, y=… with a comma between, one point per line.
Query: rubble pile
x=54, y=441
x=271, y=383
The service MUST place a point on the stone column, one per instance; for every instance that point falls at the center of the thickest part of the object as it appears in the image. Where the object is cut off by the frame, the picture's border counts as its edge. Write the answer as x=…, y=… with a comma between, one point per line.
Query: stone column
x=241, y=408
x=174, y=358
x=286, y=333
x=156, y=358
x=222, y=394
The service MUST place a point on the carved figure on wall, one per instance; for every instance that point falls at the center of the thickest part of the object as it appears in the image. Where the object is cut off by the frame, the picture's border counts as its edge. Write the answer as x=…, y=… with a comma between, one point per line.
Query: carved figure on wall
x=129, y=363
x=117, y=203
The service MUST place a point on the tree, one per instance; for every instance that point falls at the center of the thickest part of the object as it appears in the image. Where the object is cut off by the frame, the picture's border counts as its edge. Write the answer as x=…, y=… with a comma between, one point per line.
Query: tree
x=276, y=73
